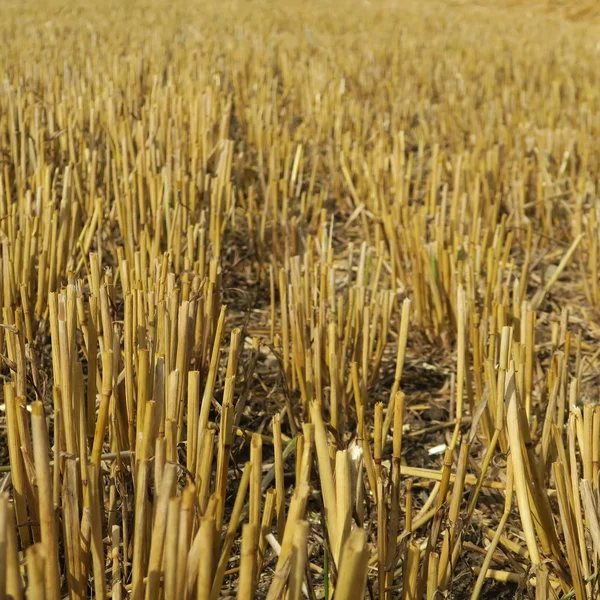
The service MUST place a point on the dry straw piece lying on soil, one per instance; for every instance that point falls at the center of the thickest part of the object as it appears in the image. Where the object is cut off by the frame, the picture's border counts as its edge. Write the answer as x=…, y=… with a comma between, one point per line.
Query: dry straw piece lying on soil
x=299, y=300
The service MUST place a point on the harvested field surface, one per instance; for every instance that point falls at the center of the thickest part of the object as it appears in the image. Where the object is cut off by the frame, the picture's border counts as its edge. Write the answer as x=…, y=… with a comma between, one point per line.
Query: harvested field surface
x=299, y=300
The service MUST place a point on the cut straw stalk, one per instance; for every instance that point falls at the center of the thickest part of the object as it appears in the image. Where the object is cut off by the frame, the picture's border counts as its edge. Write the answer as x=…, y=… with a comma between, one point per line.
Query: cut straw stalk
x=206, y=537
x=344, y=501
x=279, y=475
x=352, y=575
x=35, y=573
x=17, y=468
x=255, y=509
x=96, y=538
x=139, y=529
x=11, y=584
x=325, y=472
x=46, y=510
x=157, y=543
x=4, y=526
x=591, y=514
x=521, y=482
x=299, y=562
x=411, y=572
x=170, y=551
x=265, y=527
x=248, y=562
x=569, y=530
x=295, y=514
x=401, y=353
